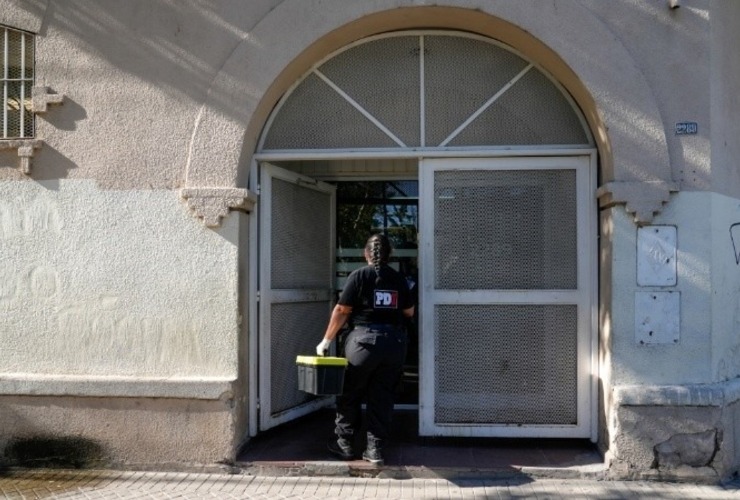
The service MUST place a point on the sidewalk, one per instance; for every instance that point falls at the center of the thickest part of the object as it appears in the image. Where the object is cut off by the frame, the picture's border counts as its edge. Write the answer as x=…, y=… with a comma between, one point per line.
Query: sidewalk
x=65, y=484
x=292, y=462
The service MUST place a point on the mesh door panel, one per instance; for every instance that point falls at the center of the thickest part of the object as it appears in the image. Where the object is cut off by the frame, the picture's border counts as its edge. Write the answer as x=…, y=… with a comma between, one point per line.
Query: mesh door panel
x=505, y=364
x=294, y=331
x=532, y=111
x=317, y=117
x=508, y=230
x=383, y=77
x=301, y=246
x=461, y=74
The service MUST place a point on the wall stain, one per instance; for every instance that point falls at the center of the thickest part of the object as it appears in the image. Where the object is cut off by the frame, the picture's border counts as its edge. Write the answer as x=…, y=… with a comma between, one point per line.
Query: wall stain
x=56, y=452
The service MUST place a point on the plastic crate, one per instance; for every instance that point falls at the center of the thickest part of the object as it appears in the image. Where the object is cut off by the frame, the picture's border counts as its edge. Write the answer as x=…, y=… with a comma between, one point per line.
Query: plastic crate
x=321, y=375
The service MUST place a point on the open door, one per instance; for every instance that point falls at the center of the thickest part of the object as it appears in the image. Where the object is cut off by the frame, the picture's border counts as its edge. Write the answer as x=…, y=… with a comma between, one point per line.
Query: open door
x=508, y=291
x=296, y=287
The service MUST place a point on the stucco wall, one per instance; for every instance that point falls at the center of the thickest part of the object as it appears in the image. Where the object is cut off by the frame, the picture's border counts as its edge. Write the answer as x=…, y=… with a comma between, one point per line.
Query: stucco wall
x=670, y=47
x=137, y=72
x=725, y=105
x=708, y=280
x=725, y=287
x=137, y=65
x=123, y=283
x=96, y=432
x=670, y=406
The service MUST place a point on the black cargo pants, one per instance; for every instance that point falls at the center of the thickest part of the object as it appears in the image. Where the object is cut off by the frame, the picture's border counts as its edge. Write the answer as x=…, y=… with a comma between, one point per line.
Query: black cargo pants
x=375, y=355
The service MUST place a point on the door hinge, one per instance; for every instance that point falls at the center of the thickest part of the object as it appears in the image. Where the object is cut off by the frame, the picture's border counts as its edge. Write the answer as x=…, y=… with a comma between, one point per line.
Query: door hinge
x=258, y=296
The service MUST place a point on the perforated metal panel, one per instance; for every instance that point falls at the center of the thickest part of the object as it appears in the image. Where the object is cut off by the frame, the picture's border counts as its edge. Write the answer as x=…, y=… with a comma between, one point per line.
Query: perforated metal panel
x=505, y=364
x=507, y=230
x=316, y=117
x=295, y=287
x=533, y=111
x=383, y=77
x=295, y=328
x=17, y=55
x=462, y=73
x=300, y=252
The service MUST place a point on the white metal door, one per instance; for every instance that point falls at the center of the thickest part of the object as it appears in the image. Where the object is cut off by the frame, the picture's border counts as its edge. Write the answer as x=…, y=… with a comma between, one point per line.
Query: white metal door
x=295, y=287
x=507, y=250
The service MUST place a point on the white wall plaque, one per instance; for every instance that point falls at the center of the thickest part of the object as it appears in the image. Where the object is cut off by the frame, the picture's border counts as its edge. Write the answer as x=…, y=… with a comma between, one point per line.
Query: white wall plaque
x=657, y=317
x=656, y=256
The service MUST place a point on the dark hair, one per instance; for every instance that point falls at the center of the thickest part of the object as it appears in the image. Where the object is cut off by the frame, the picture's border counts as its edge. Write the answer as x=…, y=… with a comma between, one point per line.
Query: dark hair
x=378, y=248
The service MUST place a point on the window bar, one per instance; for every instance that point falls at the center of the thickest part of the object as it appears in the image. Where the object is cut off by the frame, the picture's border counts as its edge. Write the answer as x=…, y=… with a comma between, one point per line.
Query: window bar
x=422, y=95
x=22, y=104
x=359, y=108
x=5, y=84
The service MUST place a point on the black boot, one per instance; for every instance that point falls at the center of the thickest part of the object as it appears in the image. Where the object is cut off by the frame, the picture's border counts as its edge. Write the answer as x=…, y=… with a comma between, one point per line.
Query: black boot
x=374, y=452
x=341, y=448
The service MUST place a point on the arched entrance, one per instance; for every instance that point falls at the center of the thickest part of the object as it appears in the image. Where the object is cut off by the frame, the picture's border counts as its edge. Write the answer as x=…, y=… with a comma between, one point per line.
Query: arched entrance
x=505, y=169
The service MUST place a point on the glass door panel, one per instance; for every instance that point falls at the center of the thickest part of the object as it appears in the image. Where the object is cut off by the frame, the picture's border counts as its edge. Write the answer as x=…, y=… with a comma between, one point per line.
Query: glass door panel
x=389, y=207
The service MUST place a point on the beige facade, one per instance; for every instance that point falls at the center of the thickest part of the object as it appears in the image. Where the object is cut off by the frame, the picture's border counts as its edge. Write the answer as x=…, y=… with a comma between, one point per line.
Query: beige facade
x=128, y=222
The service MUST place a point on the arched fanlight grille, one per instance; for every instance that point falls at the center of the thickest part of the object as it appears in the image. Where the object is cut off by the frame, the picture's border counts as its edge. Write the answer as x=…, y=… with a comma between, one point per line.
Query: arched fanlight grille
x=435, y=90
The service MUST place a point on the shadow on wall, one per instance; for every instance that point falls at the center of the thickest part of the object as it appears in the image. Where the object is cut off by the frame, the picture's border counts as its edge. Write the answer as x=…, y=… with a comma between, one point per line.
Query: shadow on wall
x=73, y=113
x=159, y=42
x=55, y=452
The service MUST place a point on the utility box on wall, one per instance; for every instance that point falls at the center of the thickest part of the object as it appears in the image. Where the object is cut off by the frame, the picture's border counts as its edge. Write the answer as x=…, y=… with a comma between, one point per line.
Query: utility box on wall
x=657, y=312
x=657, y=317
x=656, y=256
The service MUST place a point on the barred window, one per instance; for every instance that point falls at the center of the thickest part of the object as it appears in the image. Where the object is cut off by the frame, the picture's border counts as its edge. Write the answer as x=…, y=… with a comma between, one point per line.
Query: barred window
x=17, y=56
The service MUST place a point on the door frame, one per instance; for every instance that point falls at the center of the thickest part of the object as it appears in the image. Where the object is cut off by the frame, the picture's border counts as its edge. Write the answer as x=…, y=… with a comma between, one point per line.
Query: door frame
x=461, y=153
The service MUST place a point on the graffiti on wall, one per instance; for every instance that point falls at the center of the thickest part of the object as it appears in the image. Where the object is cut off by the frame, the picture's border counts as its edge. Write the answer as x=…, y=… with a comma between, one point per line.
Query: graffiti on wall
x=37, y=282
x=735, y=238
x=46, y=315
x=24, y=219
x=103, y=328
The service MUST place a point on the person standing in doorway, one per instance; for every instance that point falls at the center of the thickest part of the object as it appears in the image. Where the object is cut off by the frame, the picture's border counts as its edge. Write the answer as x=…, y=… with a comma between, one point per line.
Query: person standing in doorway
x=374, y=302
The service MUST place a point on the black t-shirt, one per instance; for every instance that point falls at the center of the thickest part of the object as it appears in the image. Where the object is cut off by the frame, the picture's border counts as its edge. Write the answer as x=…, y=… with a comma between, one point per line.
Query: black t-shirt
x=376, y=304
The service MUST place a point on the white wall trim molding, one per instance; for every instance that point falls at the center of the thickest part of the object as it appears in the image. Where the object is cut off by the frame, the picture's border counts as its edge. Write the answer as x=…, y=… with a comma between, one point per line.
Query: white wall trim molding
x=718, y=394
x=211, y=204
x=25, y=149
x=29, y=384
x=42, y=96
x=643, y=199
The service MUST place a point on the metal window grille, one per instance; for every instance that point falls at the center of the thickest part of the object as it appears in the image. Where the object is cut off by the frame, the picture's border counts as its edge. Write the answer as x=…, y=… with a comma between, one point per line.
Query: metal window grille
x=17, y=55
x=425, y=91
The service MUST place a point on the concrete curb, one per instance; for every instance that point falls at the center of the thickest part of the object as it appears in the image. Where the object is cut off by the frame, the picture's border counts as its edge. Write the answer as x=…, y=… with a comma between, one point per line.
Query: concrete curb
x=364, y=470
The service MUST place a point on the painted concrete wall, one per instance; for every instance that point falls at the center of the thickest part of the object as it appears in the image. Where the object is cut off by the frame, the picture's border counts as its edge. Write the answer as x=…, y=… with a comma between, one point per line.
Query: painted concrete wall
x=708, y=281
x=120, y=283
x=114, y=298
x=149, y=64
x=127, y=69
x=671, y=402
x=725, y=105
x=122, y=310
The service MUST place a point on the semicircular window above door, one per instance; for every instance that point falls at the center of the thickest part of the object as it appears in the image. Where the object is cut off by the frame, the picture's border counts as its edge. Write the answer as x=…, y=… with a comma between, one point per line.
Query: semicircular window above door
x=436, y=90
